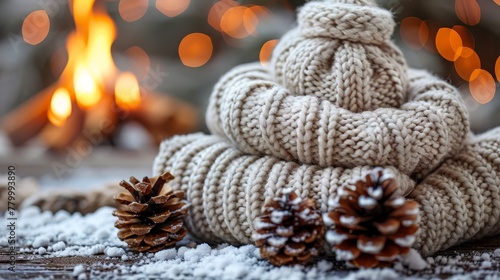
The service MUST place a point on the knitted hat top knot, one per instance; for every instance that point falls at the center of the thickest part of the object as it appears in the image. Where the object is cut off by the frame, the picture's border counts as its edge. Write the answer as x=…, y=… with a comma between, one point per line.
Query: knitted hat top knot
x=341, y=52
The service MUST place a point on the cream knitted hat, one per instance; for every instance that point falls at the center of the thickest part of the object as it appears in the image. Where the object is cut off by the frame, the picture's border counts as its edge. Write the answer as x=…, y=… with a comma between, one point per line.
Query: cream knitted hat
x=337, y=101
x=341, y=52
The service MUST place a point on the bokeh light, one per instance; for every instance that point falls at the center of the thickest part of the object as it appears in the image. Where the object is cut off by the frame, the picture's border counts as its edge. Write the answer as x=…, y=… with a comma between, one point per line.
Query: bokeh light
x=467, y=63
x=266, y=52
x=448, y=43
x=497, y=68
x=468, y=11
x=217, y=11
x=195, y=49
x=414, y=32
x=36, y=27
x=140, y=61
x=172, y=8
x=132, y=10
x=237, y=21
x=482, y=86
x=466, y=36
x=60, y=107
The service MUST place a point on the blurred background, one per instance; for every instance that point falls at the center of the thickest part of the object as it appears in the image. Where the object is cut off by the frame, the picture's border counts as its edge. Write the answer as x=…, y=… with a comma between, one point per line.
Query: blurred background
x=78, y=77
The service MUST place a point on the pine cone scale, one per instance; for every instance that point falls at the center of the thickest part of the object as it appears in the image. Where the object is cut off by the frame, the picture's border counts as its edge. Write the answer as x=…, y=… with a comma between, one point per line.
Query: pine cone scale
x=290, y=230
x=152, y=216
x=371, y=224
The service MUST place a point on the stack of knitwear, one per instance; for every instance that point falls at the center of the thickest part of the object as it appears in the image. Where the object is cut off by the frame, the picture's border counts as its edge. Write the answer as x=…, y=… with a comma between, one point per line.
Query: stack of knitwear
x=336, y=100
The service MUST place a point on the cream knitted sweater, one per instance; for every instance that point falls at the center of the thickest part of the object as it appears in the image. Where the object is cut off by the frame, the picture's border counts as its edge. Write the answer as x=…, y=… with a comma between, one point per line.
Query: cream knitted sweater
x=337, y=100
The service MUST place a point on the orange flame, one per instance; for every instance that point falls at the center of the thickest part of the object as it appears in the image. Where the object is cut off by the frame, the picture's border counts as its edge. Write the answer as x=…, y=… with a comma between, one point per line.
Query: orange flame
x=60, y=107
x=90, y=72
x=127, y=92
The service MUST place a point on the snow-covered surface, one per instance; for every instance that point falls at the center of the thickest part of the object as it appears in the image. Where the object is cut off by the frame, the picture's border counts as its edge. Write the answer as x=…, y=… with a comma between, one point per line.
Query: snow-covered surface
x=48, y=235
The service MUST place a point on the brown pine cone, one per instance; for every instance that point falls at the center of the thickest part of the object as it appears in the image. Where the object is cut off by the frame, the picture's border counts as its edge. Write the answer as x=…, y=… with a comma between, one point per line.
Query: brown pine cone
x=290, y=231
x=371, y=224
x=152, y=216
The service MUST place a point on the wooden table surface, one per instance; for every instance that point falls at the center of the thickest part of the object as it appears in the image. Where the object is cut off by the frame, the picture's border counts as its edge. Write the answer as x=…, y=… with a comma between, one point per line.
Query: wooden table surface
x=30, y=266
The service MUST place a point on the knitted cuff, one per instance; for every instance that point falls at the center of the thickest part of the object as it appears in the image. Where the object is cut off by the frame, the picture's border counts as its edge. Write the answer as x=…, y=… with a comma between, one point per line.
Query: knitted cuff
x=460, y=201
x=227, y=188
x=261, y=117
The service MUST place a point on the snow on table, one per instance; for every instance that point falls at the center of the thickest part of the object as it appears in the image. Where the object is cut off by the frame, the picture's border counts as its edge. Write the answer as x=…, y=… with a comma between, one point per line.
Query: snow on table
x=86, y=247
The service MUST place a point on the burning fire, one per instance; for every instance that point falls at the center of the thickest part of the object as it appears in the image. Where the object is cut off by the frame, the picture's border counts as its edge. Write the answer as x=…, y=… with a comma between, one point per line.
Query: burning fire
x=91, y=72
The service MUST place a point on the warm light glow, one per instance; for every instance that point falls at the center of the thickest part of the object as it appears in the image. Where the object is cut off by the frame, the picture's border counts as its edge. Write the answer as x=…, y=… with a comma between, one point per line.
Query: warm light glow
x=498, y=2
x=467, y=62
x=132, y=10
x=60, y=107
x=140, y=61
x=239, y=22
x=195, y=49
x=448, y=43
x=82, y=10
x=217, y=11
x=266, y=52
x=58, y=60
x=466, y=36
x=414, y=32
x=497, y=68
x=432, y=28
x=468, y=11
x=87, y=92
x=482, y=86
x=36, y=27
x=127, y=92
x=102, y=33
x=172, y=8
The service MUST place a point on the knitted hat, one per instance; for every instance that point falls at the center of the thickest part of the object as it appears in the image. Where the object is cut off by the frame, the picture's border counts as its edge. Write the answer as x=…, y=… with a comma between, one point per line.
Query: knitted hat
x=341, y=52
x=337, y=101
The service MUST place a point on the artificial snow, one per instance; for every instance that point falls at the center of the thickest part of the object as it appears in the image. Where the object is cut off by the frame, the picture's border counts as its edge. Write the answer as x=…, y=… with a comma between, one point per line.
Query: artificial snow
x=47, y=235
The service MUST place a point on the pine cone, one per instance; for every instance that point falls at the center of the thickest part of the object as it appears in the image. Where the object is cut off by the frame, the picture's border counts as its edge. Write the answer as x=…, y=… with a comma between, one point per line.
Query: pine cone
x=152, y=217
x=290, y=231
x=372, y=226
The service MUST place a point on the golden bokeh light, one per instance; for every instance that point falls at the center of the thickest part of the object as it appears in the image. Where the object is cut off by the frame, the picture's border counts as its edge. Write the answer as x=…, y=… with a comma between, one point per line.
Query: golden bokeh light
x=239, y=22
x=498, y=2
x=132, y=10
x=414, y=32
x=497, y=68
x=448, y=43
x=140, y=61
x=466, y=36
x=60, y=107
x=467, y=63
x=127, y=91
x=36, y=27
x=266, y=52
x=87, y=91
x=172, y=8
x=468, y=11
x=217, y=11
x=482, y=86
x=195, y=49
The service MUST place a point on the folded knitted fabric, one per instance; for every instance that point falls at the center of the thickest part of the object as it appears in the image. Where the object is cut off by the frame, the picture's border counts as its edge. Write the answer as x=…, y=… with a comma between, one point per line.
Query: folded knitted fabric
x=336, y=101
x=227, y=189
x=260, y=116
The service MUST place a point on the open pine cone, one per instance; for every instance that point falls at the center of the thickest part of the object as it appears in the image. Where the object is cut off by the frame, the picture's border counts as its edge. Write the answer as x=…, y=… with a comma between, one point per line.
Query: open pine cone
x=152, y=216
x=290, y=231
x=372, y=225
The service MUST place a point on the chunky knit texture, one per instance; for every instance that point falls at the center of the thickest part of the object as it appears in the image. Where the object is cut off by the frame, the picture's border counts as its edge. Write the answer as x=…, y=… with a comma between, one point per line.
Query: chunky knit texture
x=459, y=202
x=227, y=188
x=261, y=117
x=341, y=52
x=336, y=101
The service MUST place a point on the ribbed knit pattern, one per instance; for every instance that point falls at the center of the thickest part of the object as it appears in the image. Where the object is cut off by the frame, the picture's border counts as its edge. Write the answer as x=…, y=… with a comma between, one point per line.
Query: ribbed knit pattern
x=336, y=101
x=261, y=117
x=227, y=188
x=460, y=201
